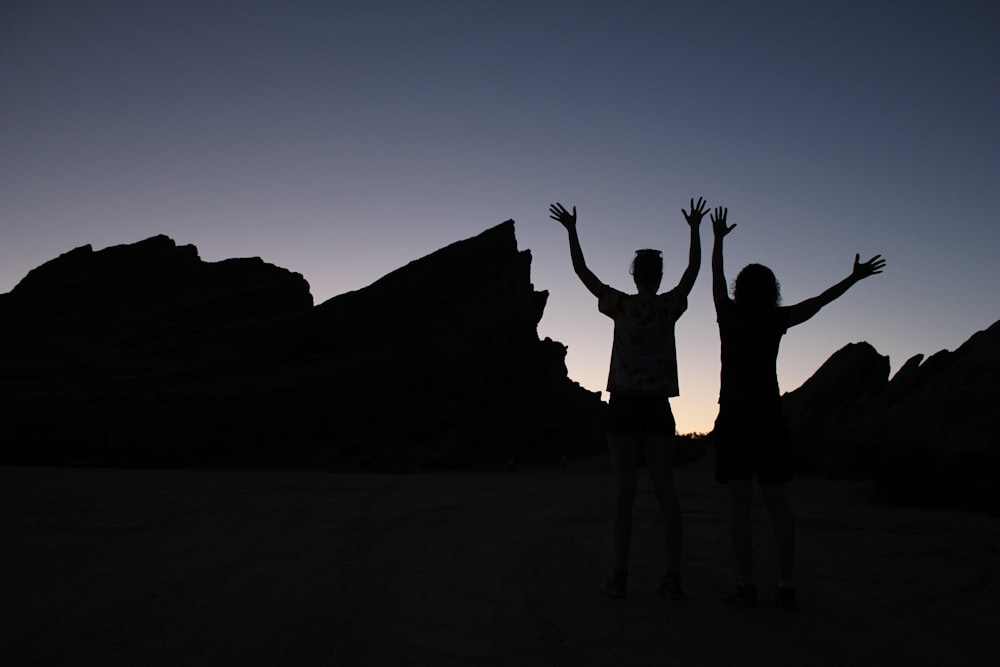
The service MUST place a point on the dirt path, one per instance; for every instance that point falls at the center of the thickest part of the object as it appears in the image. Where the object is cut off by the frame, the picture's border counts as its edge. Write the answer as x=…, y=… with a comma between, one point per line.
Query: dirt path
x=111, y=567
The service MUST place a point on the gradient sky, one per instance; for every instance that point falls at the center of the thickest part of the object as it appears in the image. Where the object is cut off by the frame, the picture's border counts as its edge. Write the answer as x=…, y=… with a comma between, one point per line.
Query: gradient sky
x=343, y=139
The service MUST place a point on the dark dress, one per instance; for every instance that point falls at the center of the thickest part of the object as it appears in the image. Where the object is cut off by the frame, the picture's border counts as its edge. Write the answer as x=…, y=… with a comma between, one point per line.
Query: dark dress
x=751, y=437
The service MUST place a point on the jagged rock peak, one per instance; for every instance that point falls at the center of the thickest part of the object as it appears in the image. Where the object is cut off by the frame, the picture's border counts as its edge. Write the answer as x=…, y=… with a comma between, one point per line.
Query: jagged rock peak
x=145, y=354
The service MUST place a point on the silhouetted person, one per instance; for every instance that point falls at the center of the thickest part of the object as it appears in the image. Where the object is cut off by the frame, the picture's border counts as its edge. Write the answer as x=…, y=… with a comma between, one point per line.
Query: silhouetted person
x=751, y=438
x=642, y=379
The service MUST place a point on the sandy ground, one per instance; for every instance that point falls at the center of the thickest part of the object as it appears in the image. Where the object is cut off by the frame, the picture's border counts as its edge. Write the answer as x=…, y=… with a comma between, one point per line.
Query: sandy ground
x=120, y=567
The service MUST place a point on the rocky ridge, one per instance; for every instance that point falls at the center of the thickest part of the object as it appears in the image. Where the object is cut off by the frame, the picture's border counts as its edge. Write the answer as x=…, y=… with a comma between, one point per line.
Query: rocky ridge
x=143, y=354
x=929, y=435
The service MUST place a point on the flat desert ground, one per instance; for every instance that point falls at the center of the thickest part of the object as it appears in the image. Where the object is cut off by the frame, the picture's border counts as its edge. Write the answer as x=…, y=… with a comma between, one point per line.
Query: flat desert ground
x=162, y=567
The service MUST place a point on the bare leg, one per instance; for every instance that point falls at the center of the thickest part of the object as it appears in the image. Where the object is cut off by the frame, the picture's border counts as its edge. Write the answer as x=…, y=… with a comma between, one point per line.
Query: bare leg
x=624, y=458
x=659, y=452
x=776, y=500
x=741, y=526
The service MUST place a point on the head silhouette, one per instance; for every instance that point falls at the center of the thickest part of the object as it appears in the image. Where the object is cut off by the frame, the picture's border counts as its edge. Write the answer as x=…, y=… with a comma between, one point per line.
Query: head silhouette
x=756, y=288
x=647, y=270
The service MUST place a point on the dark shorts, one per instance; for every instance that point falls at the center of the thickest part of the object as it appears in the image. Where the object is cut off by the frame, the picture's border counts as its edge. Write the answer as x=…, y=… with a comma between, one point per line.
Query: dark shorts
x=752, y=441
x=640, y=414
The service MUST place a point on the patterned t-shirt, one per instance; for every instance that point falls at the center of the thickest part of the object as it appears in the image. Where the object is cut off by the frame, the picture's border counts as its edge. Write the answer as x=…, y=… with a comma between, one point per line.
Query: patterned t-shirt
x=643, y=355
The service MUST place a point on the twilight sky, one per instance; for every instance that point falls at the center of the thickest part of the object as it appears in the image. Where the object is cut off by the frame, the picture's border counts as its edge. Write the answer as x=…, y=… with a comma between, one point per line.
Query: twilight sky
x=343, y=139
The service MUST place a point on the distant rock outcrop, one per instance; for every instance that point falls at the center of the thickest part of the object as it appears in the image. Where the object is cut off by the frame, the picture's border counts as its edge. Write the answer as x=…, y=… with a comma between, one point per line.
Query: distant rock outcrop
x=150, y=283
x=929, y=435
x=144, y=354
x=824, y=411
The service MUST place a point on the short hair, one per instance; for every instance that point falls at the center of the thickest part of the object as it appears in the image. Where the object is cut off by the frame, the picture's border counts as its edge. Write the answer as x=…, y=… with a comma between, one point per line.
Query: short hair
x=647, y=263
x=756, y=287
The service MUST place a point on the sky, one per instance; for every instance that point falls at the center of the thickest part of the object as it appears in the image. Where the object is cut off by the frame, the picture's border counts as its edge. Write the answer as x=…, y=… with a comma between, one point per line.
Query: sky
x=343, y=139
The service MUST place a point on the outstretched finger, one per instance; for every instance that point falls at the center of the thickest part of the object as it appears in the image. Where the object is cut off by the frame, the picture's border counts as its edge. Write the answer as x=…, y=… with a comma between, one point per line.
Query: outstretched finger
x=877, y=263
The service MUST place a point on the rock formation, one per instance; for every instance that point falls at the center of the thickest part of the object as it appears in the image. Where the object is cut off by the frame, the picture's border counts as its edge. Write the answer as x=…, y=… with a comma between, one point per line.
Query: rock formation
x=929, y=435
x=143, y=354
x=823, y=413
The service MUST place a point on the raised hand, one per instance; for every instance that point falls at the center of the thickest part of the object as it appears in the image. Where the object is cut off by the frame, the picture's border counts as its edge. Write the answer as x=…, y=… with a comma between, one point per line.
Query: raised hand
x=718, y=219
x=864, y=269
x=697, y=212
x=558, y=213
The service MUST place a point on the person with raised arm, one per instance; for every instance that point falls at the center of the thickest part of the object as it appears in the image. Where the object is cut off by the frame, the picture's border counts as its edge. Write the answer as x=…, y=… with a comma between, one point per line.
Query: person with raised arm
x=641, y=380
x=751, y=438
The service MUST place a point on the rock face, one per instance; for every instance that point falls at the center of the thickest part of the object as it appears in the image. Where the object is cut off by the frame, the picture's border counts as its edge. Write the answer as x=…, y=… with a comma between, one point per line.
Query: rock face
x=824, y=411
x=929, y=435
x=143, y=354
x=148, y=284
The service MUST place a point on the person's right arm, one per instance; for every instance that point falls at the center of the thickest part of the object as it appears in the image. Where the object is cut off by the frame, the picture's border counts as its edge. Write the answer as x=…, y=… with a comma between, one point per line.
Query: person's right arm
x=568, y=220
x=720, y=291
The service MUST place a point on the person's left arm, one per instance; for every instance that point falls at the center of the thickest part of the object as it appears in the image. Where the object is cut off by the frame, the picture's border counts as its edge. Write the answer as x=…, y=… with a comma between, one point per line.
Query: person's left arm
x=694, y=254
x=801, y=312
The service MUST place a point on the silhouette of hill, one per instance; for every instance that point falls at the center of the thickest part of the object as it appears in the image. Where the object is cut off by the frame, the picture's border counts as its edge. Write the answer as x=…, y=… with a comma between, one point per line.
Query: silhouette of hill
x=930, y=435
x=143, y=354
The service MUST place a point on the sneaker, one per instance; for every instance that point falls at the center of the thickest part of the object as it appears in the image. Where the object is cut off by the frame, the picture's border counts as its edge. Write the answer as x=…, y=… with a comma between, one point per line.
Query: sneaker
x=742, y=594
x=670, y=587
x=615, y=588
x=784, y=596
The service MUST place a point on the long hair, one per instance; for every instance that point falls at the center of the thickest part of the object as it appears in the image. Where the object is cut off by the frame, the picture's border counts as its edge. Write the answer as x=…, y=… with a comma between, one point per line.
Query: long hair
x=756, y=288
x=647, y=265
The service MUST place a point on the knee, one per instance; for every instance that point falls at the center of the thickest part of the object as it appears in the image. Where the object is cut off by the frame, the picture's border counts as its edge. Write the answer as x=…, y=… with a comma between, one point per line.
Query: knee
x=740, y=493
x=665, y=490
x=625, y=493
x=776, y=500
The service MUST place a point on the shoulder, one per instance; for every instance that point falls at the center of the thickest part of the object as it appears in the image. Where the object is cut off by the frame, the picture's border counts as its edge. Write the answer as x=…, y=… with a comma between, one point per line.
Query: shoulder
x=609, y=300
x=676, y=298
x=724, y=309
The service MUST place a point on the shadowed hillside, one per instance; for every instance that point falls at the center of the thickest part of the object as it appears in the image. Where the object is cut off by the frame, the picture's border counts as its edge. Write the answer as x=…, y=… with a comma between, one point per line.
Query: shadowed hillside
x=930, y=435
x=143, y=354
